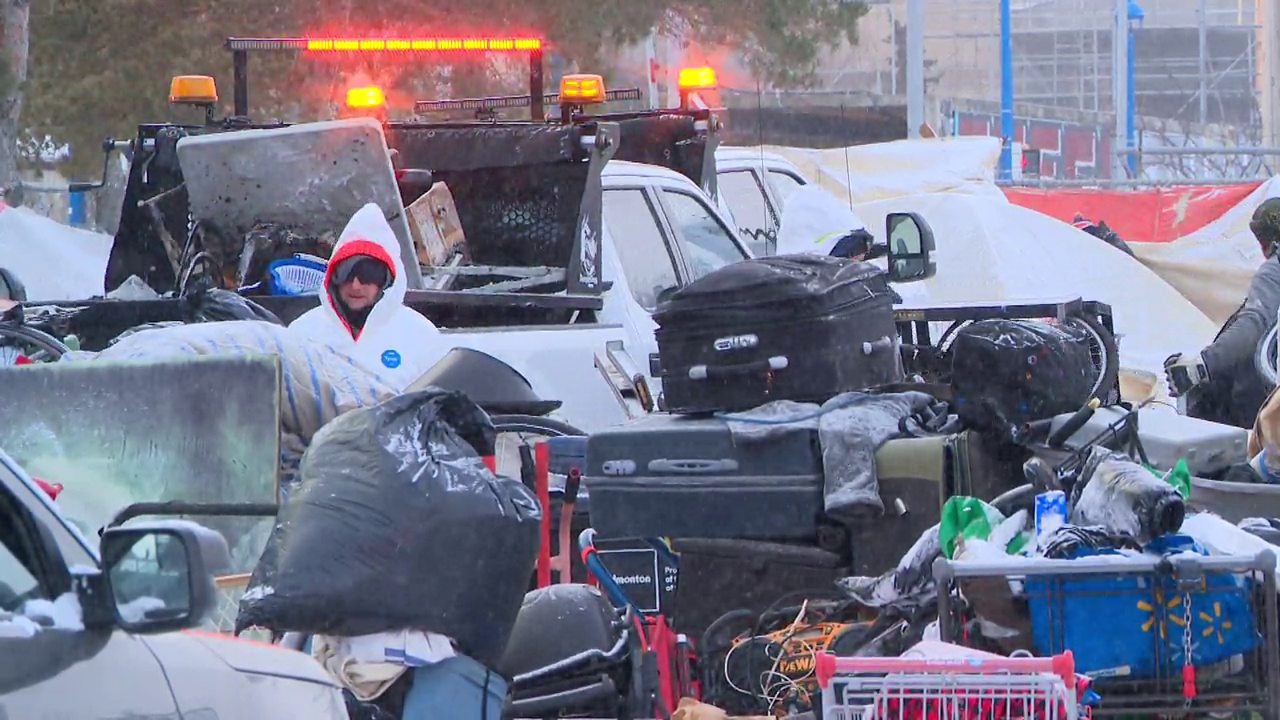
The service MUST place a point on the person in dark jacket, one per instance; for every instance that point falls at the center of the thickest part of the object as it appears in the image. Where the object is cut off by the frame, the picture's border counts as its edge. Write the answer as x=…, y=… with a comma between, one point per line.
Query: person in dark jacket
x=1101, y=231
x=1227, y=387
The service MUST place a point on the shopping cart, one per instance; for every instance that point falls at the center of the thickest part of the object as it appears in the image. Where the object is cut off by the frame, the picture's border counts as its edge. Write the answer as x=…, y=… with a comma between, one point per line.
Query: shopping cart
x=951, y=688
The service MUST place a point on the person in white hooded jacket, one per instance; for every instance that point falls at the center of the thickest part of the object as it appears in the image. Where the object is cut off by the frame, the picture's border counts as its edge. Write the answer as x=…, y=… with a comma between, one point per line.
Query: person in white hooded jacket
x=362, y=310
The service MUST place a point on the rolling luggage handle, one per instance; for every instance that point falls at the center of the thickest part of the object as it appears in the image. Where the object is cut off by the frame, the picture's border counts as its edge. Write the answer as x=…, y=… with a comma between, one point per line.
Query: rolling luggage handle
x=884, y=343
x=705, y=372
x=693, y=467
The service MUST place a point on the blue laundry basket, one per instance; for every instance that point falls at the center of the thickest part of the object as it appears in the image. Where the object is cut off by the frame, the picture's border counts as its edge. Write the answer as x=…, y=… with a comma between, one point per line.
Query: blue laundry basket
x=295, y=276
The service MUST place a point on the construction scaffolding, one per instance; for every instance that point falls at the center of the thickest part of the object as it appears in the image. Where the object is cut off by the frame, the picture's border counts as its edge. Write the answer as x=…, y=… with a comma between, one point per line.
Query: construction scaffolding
x=1203, y=71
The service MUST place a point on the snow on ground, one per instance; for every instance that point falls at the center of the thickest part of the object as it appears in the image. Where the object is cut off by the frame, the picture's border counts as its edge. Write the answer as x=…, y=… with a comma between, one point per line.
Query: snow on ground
x=54, y=261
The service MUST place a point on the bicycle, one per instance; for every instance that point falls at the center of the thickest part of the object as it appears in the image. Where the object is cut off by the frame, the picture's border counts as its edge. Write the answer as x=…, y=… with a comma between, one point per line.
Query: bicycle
x=23, y=340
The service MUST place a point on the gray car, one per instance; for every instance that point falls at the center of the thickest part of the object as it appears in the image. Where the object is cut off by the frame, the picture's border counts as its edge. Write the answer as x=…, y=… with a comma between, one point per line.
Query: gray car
x=97, y=635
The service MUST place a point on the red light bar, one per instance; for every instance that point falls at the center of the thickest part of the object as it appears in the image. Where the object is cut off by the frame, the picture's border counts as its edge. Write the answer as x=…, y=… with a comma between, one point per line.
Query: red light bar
x=508, y=44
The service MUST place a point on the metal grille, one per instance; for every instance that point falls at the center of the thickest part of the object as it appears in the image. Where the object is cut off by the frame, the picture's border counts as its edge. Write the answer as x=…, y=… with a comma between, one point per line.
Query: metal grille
x=524, y=216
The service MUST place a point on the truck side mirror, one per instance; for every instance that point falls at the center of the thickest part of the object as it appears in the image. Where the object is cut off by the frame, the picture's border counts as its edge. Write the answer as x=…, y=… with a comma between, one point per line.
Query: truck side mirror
x=160, y=575
x=910, y=244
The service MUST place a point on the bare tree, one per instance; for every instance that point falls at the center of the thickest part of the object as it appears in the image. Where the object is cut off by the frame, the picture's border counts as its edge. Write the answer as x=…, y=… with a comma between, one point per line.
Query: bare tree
x=14, y=44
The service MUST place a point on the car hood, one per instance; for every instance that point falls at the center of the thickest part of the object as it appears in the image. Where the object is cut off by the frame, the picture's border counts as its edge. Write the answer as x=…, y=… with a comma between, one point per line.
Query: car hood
x=258, y=658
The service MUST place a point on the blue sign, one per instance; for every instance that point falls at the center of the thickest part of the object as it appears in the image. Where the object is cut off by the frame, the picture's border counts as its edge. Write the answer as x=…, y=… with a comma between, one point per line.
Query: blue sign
x=391, y=359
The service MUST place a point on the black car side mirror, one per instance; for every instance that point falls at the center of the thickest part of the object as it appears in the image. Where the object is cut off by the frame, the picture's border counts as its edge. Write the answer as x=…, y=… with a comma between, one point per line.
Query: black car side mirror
x=159, y=575
x=910, y=244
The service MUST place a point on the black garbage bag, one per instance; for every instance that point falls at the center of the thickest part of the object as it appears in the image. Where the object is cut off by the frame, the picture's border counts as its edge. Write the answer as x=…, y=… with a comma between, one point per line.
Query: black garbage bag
x=217, y=305
x=1006, y=373
x=396, y=524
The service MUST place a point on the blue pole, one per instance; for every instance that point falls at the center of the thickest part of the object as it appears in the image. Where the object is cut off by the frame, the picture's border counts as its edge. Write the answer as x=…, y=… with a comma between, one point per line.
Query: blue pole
x=1130, y=123
x=1006, y=92
x=76, y=210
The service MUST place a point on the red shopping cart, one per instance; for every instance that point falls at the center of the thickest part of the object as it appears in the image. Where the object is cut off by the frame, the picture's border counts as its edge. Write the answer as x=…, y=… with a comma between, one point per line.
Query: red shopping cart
x=950, y=688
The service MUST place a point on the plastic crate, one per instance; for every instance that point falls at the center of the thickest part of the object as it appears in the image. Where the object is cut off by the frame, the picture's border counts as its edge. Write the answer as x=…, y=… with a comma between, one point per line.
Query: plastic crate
x=295, y=276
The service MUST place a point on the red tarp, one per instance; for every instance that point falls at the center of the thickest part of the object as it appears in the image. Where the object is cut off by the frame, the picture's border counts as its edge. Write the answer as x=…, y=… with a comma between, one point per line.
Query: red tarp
x=1157, y=215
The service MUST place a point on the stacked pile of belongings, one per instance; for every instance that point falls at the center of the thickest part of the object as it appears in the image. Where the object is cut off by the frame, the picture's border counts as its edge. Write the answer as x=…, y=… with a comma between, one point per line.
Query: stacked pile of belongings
x=1120, y=584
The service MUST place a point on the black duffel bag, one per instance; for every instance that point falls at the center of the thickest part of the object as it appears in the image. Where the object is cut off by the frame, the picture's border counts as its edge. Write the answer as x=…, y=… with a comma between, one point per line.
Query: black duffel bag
x=1006, y=373
x=787, y=327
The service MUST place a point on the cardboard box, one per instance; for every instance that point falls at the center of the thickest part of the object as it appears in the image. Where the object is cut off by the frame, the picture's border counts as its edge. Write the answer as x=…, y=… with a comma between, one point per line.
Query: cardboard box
x=435, y=226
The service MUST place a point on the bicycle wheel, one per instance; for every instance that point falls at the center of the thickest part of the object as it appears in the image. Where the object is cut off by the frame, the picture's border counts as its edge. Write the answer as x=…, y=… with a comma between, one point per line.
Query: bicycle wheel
x=1106, y=358
x=1103, y=350
x=39, y=345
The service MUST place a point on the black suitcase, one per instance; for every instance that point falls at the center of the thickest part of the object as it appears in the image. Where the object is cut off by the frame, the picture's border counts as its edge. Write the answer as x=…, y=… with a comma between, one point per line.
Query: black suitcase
x=678, y=476
x=719, y=576
x=788, y=327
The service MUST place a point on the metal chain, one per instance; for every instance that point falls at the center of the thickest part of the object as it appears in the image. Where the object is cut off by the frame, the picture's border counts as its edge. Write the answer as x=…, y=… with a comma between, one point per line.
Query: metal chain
x=1186, y=639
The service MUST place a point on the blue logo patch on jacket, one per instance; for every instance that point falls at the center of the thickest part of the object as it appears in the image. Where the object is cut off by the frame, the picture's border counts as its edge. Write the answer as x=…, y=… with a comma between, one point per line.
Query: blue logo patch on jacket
x=391, y=359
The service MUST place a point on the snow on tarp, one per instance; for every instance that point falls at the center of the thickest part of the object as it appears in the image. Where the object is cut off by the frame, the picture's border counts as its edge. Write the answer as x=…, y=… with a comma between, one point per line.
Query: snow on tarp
x=54, y=261
x=864, y=173
x=1212, y=260
x=988, y=249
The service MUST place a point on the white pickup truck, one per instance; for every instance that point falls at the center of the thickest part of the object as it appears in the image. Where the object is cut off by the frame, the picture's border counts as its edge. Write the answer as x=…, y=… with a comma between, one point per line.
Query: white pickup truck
x=590, y=237
x=752, y=188
x=660, y=231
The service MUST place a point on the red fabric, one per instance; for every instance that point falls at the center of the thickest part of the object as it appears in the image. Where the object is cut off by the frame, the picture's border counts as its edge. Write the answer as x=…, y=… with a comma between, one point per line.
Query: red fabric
x=53, y=489
x=350, y=249
x=1155, y=215
x=23, y=360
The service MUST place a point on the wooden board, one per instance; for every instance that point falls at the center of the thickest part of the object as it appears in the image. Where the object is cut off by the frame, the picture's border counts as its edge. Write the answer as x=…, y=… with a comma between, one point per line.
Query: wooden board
x=435, y=226
x=203, y=429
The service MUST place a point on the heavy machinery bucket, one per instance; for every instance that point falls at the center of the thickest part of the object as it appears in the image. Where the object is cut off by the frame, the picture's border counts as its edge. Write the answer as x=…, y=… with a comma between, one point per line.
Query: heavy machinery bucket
x=196, y=429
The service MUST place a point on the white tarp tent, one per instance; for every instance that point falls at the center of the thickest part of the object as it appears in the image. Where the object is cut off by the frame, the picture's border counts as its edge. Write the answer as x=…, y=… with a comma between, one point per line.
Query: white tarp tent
x=864, y=173
x=54, y=261
x=989, y=249
x=1213, y=265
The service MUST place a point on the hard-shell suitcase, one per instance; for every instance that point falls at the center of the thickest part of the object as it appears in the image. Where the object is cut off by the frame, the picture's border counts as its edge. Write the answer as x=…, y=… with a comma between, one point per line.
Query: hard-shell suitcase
x=916, y=477
x=678, y=476
x=788, y=327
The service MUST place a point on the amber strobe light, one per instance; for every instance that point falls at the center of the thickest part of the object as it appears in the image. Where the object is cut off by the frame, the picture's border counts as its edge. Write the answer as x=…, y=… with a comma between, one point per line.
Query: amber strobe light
x=697, y=78
x=366, y=97
x=193, y=90
x=582, y=89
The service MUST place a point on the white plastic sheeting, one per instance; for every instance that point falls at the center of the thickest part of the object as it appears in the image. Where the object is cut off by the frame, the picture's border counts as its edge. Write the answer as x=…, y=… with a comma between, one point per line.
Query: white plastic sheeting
x=990, y=250
x=813, y=220
x=864, y=173
x=54, y=261
x=1213, y=265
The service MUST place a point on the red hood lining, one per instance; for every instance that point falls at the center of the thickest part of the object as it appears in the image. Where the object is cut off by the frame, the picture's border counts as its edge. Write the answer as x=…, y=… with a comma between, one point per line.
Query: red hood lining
x=348, y=249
